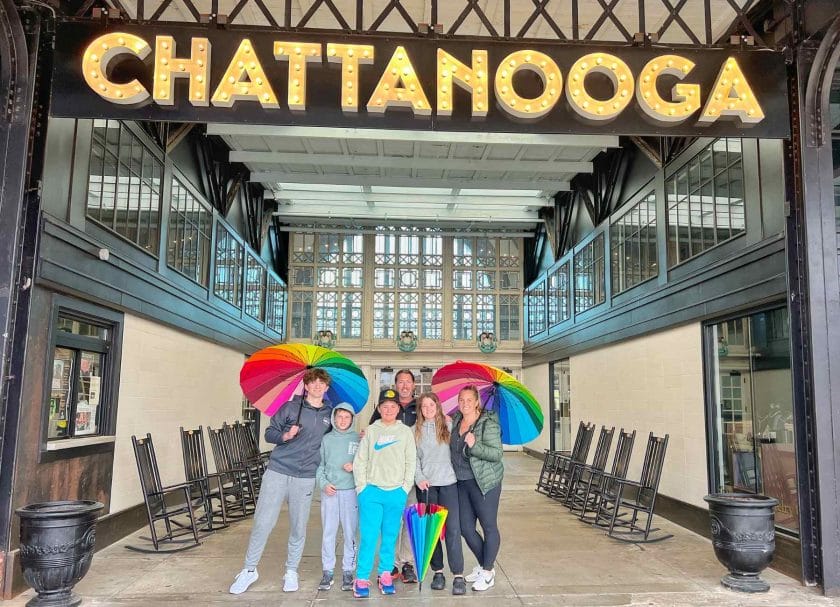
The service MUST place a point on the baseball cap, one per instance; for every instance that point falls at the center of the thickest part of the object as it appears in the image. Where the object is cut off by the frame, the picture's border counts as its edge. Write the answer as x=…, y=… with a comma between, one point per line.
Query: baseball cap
x=387, y=394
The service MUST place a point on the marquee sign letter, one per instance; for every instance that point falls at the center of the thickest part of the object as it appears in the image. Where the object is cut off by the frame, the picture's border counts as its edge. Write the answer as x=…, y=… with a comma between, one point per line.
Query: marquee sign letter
x=522, y=107
x=298, y=54
x=731, y=96
x=687, y=96
x=95, y=62
x=388, y=92
x=613, y=68
x=471, y=79
x=350, y=56
x=168, y=67
x=244, y=80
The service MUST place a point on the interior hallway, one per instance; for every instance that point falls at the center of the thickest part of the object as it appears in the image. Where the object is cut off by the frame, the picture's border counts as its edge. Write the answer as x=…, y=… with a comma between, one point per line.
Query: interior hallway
x=547, y=558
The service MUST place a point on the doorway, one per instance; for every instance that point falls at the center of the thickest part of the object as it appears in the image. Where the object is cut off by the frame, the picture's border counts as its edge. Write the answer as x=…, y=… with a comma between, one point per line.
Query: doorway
x=560, y=415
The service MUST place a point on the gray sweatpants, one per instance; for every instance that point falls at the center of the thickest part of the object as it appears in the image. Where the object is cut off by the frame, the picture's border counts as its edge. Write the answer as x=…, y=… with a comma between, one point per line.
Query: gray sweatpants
x=277, y=488
x=343, y=507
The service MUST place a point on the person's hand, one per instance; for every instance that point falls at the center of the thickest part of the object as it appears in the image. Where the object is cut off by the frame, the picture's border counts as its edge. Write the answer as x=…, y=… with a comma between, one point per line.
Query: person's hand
x=348, y=467
x=330, y=489
x=423, y=485
x=361, y=435
x=291, y=433
x=469, y=439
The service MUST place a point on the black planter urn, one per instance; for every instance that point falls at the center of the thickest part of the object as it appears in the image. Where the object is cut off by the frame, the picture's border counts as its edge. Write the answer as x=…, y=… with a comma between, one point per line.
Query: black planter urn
x=744, y=537
x=56, y=547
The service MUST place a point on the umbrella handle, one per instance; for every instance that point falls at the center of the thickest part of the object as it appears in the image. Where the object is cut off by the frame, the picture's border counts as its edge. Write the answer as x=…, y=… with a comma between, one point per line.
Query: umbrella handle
x=300, y=409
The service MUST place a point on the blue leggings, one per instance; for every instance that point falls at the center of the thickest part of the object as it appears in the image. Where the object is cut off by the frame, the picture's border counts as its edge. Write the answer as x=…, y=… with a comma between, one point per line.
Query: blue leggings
x=380, y=512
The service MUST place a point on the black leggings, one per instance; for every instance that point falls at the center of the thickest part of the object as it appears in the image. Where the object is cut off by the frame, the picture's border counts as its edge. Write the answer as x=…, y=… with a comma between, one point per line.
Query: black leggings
x=477, y=507
x=447, y=496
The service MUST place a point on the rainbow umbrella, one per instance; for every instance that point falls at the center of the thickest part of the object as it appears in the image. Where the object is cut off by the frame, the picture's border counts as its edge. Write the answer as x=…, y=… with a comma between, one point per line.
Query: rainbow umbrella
x=425, y=524
x=520, y=415
x=272, y=376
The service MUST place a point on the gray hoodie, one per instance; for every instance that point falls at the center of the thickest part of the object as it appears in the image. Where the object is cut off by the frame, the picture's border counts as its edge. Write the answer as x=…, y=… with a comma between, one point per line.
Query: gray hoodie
x=338, y=448
x=300, y=456
x=434, y=463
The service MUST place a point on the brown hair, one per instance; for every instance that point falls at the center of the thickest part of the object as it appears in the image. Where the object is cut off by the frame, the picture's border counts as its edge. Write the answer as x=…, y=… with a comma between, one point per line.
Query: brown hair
x=441, y=430
x=405, y=372
x=316, y=373
x=474, y=390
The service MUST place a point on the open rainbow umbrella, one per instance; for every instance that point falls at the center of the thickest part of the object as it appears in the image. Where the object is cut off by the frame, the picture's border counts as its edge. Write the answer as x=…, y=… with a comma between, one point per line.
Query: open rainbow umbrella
x=520, y=415
x=272, y=376
x=424, y=524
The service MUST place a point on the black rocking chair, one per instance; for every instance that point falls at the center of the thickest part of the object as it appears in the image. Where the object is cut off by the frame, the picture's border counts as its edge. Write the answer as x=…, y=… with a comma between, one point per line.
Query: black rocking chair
x=599, y=462
x=559, y=474
x=551, y=456
x=155, y=498
x=195, y=468
x=237, y=484
x=622, y=500
x=585, y=497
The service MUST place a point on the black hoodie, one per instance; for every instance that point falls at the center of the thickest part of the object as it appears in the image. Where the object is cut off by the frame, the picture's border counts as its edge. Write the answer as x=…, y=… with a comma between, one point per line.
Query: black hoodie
x=299, y=456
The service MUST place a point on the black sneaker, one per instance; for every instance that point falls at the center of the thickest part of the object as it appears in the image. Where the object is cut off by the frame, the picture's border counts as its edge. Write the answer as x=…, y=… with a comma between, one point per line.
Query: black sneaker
x=347, y=580
x=459, y=585
x=326, y=581
x=439, y=581
x=408, y=576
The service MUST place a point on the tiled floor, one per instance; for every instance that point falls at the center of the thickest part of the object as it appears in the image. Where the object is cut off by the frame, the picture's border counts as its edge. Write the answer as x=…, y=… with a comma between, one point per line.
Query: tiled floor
x=547, y=558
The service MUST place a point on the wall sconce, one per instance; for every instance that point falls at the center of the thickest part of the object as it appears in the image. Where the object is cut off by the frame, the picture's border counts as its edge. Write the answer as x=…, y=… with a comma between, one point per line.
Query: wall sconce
x=487, y=342
x=325, y=339
x=407, y=341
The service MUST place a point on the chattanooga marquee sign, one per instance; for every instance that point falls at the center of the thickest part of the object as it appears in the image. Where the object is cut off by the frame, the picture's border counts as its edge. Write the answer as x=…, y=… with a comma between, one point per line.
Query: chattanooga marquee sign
x=190, y=74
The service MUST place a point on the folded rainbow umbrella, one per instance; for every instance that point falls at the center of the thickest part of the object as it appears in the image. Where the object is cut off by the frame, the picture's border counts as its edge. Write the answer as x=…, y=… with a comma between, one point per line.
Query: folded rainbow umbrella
x=425, y=525
x=520, y=415
x=272, y=376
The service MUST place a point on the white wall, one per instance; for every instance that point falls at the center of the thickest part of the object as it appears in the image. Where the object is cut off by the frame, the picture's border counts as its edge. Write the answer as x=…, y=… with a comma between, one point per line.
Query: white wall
x=168, y=379
x=537, y=380
x=653, y=383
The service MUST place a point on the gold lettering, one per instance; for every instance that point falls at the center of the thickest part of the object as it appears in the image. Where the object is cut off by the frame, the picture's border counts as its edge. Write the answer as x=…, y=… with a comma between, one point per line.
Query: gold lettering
x=245, y=80
x=298, y=55
x=100, y=53
x=351, y=56
x=168, y=67
x=588, y=106
x=472, y=79
x=731, y=96
x=388, y=91
x=687, y=95
x=523, y=107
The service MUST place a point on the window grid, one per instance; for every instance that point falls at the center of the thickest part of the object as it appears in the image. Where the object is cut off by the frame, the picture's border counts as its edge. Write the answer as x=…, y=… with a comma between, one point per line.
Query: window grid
x=536, y=309
x=189, y=234
x=276, y=305
x=254, y=287
x=559, y=300
x=589, y=275
x=124, y=185
x=509, y=312
x=228, y=279
x=633, y=245
x=705, y=201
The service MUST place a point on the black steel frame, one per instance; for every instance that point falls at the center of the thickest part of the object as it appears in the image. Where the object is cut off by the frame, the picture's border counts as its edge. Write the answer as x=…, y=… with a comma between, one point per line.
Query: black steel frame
x=499, y=26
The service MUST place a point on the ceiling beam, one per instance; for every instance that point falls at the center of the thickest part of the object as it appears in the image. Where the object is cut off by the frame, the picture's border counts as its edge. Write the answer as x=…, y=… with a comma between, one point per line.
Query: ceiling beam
x=409, y=162
x=420, y=201
x=548, y=185
x=403, y=212
x=478, y=137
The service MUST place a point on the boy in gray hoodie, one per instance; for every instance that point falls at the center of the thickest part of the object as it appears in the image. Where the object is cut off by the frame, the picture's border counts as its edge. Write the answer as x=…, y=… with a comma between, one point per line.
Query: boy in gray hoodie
x=338, y=496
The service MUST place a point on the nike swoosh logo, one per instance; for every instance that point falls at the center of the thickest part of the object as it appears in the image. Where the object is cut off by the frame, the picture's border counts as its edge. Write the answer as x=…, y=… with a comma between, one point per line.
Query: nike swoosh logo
x=378, y=446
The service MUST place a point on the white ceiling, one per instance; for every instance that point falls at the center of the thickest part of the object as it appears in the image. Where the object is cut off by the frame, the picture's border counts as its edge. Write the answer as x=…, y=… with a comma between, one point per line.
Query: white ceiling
x=626, y=11
x=391, y=175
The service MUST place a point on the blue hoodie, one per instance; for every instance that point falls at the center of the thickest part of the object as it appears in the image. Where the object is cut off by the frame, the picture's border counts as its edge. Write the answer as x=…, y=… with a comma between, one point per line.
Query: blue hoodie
x=338, y=448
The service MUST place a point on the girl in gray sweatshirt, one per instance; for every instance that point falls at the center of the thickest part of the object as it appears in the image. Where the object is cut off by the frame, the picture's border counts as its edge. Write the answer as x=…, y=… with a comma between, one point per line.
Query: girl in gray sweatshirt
x=436, y=484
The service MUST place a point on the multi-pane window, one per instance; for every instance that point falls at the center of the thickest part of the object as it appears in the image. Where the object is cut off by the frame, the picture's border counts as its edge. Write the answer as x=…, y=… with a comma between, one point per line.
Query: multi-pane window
x=330, y=268
x=124, y=184
x=559, y=296
x=228, y=280
x=254, y=286
x=188, y=250
x=484, y=270
x=589, y=275
x=78, y=400
x=276, y=305
x=408, y=268
x=706, y=200
x=509, y=314
x=536, y=308
x=633, y=245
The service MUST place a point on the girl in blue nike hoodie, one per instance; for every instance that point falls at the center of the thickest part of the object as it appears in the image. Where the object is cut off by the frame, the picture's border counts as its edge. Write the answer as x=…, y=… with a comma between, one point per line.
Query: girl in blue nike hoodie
x=384, y=473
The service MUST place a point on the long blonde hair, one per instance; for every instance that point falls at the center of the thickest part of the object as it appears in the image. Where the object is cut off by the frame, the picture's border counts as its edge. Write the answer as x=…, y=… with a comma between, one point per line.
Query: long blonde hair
x=441, y=429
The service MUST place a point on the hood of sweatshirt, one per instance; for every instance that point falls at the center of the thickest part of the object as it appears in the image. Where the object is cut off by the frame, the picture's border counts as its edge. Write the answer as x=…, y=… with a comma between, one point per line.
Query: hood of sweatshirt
x=343, y=407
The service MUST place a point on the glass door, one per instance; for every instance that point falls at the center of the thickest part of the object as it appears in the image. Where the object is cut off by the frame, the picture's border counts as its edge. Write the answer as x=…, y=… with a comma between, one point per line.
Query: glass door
x=753, y=410
x=561, y=422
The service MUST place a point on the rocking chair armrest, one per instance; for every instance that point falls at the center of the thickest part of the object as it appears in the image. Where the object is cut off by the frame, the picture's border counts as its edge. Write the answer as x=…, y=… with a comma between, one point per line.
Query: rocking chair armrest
x=172, y=489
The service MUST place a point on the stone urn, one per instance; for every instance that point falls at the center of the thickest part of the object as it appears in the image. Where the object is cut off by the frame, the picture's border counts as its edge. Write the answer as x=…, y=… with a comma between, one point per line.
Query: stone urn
x=744, y=537
x=56, y=548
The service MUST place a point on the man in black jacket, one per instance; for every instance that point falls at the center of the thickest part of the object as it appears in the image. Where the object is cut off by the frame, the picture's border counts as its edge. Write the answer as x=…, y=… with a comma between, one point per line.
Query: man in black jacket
x=404, y=384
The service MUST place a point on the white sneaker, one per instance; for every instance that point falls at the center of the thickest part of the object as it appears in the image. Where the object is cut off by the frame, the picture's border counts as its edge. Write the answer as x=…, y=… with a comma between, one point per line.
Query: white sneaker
x=473, y=575
x=486, y=580
x=290, y=581
x=243, y=579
